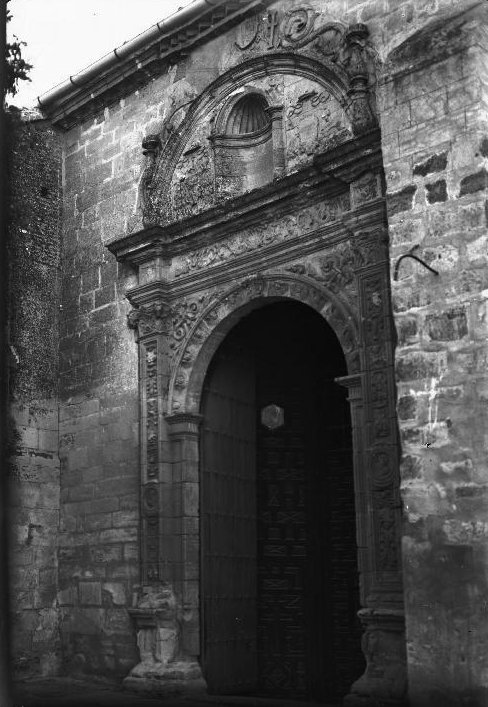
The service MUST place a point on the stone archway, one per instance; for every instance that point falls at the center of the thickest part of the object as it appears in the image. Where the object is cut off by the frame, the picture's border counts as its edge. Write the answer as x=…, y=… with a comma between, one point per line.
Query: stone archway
x=279, y=576
x=330, y=254
x=194, y=339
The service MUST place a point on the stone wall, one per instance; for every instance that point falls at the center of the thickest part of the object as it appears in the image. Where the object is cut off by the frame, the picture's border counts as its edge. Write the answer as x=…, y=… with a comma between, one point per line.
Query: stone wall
x=435, y=148
x=35, y=169
x=99, y=414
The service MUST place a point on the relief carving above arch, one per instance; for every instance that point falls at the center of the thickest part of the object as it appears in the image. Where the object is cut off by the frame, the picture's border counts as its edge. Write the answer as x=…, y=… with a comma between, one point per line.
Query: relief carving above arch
x=339, y=65
x=224, y=303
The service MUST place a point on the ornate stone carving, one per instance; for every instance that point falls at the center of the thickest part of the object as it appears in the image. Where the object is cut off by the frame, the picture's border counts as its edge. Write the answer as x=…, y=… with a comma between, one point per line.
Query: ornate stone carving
x=151, y=147
x=369, y=247
x=156, y=617
x=192, y=188
x=382, y=469
x=379, y=386
x=291, y=29
x=148, y=319
x=222, y=303
x=366, y=188
x=150, y=560
x=361, y=112
x=313, y=97
x=334, y=270
x=150, y=499
x=260, y=236
x=149, y=351
x=314, y=123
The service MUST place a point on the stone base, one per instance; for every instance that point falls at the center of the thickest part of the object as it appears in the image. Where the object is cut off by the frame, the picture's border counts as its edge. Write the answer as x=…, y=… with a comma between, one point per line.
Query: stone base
x=364, y=701
x=178, y=678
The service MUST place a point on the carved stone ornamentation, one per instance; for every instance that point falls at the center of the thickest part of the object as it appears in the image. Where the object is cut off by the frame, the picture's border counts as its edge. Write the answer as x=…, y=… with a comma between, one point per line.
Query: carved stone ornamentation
x=148, y=319
x=192, y=188
x=163, y=669
x=222, y=303
x=334, y=270
x=382, y=469
x=267, y=234
x=369, y=247
x=361, y=112
x=366, y=188
x=292, y=29
x=151, y=147
x=150, y=499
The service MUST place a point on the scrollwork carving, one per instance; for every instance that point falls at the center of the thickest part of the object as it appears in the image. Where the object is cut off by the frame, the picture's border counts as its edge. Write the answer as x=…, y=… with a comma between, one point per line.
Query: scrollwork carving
x=266, y=234
x=222, y=303
x=292, y=29
x=148, y=319
x=334, y=269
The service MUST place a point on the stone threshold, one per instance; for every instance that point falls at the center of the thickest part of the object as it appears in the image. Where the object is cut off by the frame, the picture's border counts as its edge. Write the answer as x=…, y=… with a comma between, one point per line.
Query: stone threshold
x=246, y=701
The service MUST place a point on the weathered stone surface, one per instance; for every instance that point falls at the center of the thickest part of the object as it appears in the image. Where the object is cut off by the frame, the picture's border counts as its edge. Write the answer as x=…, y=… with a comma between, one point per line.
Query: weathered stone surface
x=431, y=109
x=436, y=191
x=474, y=183
x=401, y=200
x=435, y=163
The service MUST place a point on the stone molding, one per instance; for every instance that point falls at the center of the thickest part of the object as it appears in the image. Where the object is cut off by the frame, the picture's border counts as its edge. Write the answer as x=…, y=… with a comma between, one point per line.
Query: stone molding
x=339, y=170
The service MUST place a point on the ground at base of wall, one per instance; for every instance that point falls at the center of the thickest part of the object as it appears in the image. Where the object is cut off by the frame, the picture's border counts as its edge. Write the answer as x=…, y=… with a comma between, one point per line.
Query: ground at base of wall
x=71, y=692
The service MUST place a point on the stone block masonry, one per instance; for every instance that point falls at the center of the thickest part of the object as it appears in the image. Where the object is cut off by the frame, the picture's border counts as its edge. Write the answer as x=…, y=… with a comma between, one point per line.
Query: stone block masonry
x=438, y=159
x=99, y=403
x=35, y=169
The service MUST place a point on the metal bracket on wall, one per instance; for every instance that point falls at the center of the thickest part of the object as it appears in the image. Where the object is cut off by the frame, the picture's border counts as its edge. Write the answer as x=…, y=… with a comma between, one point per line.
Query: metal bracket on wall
x=411, y=255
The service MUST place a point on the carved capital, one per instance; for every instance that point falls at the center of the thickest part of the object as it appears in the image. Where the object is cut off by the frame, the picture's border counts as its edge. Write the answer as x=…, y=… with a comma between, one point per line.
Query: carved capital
x=183, y=424
x=149, y=319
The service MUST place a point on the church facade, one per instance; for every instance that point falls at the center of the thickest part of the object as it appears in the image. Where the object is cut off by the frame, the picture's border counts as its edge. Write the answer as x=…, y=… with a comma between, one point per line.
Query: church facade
x=261, y=467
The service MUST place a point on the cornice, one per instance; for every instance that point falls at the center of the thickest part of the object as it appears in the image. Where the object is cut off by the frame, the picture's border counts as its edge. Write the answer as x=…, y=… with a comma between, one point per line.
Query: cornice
x=136, y=62
x=328, y=176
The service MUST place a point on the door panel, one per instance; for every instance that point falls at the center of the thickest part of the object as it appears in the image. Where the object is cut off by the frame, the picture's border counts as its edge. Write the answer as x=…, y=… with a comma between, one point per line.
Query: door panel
x=229, y=524
x=279, y=570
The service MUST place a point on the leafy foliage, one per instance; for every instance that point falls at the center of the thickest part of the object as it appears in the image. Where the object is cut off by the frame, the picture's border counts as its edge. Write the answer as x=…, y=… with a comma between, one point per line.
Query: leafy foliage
x=17, y=68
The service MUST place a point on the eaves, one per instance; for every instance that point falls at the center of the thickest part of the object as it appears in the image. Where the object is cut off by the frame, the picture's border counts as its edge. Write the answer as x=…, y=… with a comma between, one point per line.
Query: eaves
x=136, y=62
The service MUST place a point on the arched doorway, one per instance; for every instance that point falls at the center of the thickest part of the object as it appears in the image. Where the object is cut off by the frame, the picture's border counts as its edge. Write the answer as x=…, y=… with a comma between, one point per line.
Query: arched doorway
x=278, y=540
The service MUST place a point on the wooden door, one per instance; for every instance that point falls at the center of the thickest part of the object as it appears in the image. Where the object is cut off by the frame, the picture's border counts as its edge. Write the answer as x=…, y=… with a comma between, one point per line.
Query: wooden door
x=228, y=506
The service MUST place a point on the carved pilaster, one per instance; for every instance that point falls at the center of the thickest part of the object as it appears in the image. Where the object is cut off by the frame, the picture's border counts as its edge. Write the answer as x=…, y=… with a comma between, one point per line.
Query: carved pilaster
x=380, y=443
x=150, y=324
x=279, y=160
x=354, y=385
x=361, y=114
x=151, y=146
x=183, y=432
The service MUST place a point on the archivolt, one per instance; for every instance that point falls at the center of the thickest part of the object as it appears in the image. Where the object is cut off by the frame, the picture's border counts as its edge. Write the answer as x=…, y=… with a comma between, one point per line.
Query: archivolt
x=329, y=75
x=227, y=307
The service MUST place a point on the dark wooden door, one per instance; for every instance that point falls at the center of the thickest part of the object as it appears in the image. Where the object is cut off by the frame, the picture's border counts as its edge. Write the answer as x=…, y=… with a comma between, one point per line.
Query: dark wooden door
x=280, y=580
x=288, y=568
x=229, y=524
